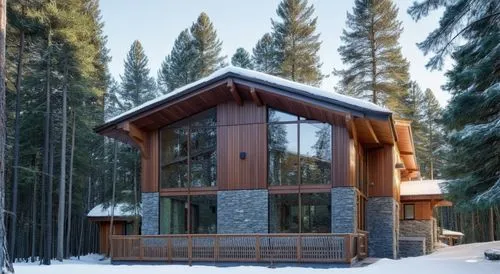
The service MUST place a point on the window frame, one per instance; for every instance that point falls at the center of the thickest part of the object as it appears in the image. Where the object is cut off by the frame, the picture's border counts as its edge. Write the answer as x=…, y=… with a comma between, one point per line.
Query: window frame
x=188, y=189
x=404, y=211
x=278, y=189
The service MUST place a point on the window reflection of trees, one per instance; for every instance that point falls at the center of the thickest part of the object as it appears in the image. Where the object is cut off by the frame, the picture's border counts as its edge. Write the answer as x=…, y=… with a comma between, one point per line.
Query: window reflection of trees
x=291, y=138
x=198, y=156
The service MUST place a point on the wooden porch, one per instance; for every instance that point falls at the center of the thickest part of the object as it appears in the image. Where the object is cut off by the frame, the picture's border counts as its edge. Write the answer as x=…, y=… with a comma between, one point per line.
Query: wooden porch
x=252, y=248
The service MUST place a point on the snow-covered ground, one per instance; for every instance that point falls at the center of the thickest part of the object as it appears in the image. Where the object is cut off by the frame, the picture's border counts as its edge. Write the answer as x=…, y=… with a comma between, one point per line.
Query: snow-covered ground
x=450, y=260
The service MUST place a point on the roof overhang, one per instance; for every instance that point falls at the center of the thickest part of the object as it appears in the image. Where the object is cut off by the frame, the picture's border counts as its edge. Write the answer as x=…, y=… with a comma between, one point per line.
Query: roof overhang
x=243, y=85
x=406, y=147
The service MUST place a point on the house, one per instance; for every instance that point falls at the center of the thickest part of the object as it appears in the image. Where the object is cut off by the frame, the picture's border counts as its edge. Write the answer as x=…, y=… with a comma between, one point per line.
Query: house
x=244, y=166
x=125, y=222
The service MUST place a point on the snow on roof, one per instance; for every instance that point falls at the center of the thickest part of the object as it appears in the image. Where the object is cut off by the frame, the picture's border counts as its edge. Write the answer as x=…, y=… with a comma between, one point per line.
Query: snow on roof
x=270, y=79
x=447, y=232
x=423, y=187
x=121, y=210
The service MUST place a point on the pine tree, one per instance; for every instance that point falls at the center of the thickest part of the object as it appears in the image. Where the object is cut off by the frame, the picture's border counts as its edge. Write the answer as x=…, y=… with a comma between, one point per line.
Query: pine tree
x=137, y=86
x=263, y=57
x=472, y=116
x=296, y=42
x=376, y=68
x=178, y=68
x=208, y=47
x=241, y=58
x=414, y=101
x=431, y=161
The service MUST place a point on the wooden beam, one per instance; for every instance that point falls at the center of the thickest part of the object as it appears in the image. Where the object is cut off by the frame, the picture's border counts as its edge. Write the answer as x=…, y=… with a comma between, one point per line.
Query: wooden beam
x=405, y=153
x=255, y=97
x=234, y=92
x=137, y=135
x=351, y=127
x=371, y=131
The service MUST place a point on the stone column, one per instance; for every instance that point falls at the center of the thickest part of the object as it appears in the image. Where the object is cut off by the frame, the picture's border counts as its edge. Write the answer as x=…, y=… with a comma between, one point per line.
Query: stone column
x=344, y=210
x=242, y=211
x=150, y=213
x=419, y=228
x=381, y=214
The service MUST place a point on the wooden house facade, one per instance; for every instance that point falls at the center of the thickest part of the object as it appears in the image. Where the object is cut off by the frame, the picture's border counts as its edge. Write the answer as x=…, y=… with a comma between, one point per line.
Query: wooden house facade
x=244, y=166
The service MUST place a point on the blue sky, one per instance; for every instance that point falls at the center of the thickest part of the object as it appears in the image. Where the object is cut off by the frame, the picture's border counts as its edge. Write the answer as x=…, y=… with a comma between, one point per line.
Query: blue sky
x=156, y=23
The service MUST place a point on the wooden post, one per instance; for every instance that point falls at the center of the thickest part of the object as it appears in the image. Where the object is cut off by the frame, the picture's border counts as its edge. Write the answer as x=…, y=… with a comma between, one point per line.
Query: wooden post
x=141, y=248
x=216, y=248
x=190, y=250
x=299, y=249
x=257, y=247
x=347, y=248
x=169, y=249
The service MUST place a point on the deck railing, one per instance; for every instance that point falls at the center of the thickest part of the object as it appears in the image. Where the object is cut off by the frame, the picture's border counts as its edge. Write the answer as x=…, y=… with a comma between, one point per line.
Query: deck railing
x=189, y=248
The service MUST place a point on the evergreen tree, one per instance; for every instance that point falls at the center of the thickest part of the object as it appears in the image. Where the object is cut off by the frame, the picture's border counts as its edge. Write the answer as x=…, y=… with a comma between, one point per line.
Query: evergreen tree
x=264, y=58
x=376, y=68
x=433, y=139
x=137, y=86
x=178, y=68
x=208, y=47
x=297, y=43
x=415, y=101
x=472, y=116
x=241, y=58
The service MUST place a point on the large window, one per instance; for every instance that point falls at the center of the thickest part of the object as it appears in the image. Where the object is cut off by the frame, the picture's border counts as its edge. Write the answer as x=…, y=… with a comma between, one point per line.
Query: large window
x=300, y=150
x=188, y=214
x=189, y=152
x=300, y=213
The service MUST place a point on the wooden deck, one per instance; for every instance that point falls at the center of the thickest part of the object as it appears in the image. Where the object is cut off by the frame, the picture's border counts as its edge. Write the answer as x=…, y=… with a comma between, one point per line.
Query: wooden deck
x=320, y=248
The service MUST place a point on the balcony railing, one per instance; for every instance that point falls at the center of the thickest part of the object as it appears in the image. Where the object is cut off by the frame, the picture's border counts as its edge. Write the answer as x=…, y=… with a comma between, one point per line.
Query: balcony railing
x=321, y=248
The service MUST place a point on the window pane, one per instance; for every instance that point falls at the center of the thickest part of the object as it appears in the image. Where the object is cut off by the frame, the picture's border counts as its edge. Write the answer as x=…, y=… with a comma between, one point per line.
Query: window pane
x=283, y=160
x=203, y=157
x=173, y=157
x=284, y=213
x=173, y=215
x=280, y=116
x=409, y=212
x=207, y=118
x=204, y=214
x=315, y=153
x=316, y=213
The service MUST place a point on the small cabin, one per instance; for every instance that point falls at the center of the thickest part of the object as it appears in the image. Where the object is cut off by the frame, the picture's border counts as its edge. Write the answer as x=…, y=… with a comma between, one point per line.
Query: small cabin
x=245, y=166
x=126, y=221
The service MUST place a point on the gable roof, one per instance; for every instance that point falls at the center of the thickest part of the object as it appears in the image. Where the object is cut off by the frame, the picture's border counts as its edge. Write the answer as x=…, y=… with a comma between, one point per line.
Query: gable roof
x=264, y=81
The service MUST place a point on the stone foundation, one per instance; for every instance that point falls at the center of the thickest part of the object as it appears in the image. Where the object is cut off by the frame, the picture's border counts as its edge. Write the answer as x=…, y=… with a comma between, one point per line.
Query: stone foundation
x=344, y=210
x=242, y=211
x=150, y=213
x=411, y=246
x=419, y=228
x=381, y=217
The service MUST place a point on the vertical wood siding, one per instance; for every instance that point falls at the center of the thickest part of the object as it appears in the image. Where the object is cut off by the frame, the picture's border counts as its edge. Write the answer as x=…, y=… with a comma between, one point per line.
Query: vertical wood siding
x=241, y=129
x=343, y=166
x=150, y=164
x=381, y=171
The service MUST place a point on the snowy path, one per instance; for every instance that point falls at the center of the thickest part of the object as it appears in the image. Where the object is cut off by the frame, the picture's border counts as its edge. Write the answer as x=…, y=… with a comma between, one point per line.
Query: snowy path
x=452, y=260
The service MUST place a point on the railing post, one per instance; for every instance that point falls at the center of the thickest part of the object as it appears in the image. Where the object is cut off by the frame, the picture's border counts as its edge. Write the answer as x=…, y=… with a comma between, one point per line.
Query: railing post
x=190, y=249
x=347, y=248
x=298, y=247
x=169, y=249
x=216, y=248
x=141, y=248
x=257, y=247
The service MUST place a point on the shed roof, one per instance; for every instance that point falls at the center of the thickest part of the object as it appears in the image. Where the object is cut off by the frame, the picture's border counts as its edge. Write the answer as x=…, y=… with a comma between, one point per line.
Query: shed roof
x=447, y=232
x=121, y=210
x=422, y=188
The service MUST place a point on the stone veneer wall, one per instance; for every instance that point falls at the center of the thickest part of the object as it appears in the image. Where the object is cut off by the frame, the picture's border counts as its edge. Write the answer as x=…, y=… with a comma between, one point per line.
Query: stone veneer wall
x=242, y=211
x=419, y=228
x=411, y=246
x=344, y=210
x=150, y=213
x=381, y=225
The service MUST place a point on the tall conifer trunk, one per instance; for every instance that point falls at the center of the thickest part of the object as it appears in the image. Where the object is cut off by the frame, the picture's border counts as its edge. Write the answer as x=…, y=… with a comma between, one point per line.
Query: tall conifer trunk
x=70, y=187
x=17, y=126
